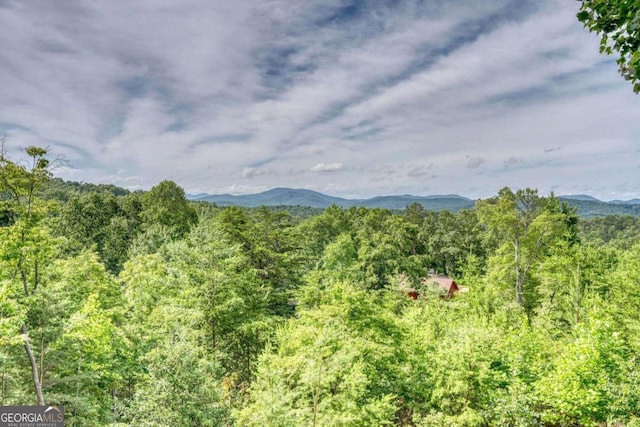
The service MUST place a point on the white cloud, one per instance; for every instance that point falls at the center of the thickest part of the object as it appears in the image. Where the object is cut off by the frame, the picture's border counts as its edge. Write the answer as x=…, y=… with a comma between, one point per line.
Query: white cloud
x=242, y=189
x=327, y=167
x=254, y=172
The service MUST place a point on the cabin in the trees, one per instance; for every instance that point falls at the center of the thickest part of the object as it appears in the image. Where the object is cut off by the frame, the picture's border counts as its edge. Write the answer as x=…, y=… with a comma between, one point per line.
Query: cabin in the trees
x=445, y=284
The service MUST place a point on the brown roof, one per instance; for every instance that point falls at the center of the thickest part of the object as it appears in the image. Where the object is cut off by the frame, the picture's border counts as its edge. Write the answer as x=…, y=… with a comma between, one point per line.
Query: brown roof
x=447, y=284
x=443, y=282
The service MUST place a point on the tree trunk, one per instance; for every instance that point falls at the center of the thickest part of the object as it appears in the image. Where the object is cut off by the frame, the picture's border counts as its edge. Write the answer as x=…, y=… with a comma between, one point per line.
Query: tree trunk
x=4, y=378
x=316, y=395
x=214, y=314
x=519, y=275
x=34, y=366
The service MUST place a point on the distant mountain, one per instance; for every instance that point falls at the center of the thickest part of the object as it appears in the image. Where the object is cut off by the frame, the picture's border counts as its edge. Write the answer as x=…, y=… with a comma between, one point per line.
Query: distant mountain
x=579, y=197
x=300, y=197
x=626, y=202
x=591, y=208
x=197, y=196
x=586, y=206
x=274, y=197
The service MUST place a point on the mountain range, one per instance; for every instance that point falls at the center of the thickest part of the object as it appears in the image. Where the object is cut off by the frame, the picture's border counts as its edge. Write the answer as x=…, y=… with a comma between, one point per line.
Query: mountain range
x=587, y=206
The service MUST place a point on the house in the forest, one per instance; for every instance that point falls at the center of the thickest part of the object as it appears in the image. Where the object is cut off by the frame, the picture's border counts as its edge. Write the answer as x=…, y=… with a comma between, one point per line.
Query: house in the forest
x=446, y=285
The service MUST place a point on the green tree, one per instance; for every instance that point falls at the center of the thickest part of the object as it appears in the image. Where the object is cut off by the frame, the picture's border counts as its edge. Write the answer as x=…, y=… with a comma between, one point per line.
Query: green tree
x=618, y=24
x=388, y=246
x=415, y=213
x=625, y=292
x=201, y=298
x=339, y=262
x=275, y=256
x=25, y=242
x=376, y=247
x=528, y=225
x=176, y=380
x=165, y=204
x=103, y=221
x=619, y=231
x=339, y=364
x=594, y=378
x=90, y=355
x=323, y=229
x=568, y=280
x=63, y=309
x=449, y=239
x=459, y=362
x=73, y=329
x=181, y=387
x=235, y=307
x=270, y=242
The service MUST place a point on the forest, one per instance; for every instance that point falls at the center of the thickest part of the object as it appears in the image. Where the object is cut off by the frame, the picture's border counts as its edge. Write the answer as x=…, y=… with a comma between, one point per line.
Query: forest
x=145, y=309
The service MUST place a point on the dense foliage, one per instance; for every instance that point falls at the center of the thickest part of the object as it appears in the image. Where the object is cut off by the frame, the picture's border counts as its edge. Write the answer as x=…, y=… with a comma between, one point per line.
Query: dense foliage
x=147, y=310
x=618, y=24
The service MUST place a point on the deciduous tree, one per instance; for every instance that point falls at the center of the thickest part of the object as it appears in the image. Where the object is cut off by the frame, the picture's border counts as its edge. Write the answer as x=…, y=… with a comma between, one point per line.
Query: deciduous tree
x=618, y=24
x=25, y=242
x=165, y=204
x=528, y=224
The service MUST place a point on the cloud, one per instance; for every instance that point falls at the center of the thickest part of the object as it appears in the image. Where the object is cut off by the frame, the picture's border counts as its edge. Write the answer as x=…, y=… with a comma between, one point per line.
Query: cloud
x=475, y=162
x=254, y=172
x=327, y=167
x=513, y=161
x=552, y=149
x=243, y=189
x=420, y=170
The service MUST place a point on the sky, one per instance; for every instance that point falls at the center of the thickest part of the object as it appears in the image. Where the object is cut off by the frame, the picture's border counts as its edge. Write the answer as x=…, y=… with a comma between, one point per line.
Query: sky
x=349, y=98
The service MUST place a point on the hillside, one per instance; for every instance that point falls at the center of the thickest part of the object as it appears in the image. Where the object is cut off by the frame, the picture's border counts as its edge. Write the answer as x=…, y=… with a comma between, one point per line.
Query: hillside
x=587, y=206
x=301, y=197
x=597, y=208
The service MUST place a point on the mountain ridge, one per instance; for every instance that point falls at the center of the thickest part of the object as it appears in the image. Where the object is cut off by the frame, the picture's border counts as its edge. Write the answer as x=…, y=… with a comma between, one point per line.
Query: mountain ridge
x=587, y=206
x=302, y=197
x=583, y=197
